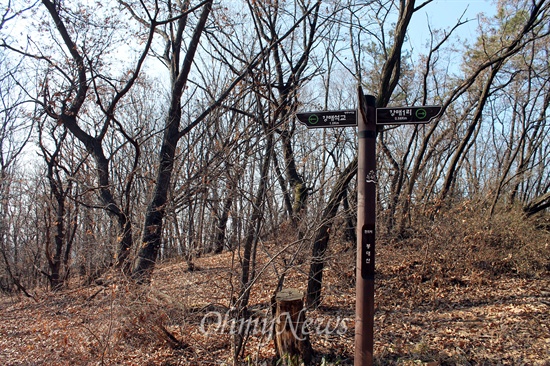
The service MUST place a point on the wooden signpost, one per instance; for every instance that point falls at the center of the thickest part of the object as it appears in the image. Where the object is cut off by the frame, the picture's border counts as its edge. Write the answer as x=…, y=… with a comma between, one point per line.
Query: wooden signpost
x=344, y=118
x=367, y=118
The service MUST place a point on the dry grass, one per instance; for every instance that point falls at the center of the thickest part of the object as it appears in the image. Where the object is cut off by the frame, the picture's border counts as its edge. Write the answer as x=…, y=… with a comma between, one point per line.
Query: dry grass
x=458, y=291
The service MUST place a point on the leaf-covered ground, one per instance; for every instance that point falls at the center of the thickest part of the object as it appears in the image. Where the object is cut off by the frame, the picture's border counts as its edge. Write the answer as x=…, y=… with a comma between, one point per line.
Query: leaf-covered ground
x=431, y=309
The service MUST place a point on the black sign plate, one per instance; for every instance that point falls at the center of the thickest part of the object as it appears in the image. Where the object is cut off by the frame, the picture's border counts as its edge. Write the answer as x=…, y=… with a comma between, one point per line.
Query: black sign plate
x=367, y=251
x=406, y=115
x=343, y=118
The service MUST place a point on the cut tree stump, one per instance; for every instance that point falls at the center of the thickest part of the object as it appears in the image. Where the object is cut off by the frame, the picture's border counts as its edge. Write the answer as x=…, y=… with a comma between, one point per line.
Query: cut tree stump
x=292, y=345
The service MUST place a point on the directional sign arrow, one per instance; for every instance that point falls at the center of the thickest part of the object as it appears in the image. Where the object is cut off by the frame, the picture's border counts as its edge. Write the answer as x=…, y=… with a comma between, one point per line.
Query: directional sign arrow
x=406, y=115
x=324, y=119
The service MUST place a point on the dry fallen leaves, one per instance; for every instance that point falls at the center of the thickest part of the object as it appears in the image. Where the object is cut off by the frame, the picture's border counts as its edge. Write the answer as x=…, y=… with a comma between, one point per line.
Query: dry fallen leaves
x=422, y=318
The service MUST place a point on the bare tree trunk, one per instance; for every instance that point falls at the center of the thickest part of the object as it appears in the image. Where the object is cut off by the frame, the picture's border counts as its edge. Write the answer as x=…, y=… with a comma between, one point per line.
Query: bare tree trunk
x=537, y=205
x=57, y=256
x=351, y=218
x=282, y=182
x=250, y=244
x=391, y=72
x=457, y=156
x=152, y=234
x=296, y=181
x=320, y=243
x=495, y=64
x=529, y=150
x=219, y=241
x=69, y=118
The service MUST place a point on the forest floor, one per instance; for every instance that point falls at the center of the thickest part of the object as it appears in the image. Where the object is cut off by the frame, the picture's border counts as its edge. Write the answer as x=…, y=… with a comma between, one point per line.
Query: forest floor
x=431, y=308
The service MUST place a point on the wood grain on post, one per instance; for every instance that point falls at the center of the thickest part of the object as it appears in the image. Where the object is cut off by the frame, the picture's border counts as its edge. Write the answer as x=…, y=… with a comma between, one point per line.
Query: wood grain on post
x=292, y=344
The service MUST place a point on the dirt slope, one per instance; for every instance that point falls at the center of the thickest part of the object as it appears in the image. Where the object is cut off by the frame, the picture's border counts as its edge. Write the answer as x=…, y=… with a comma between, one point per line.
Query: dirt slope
x=428, y=312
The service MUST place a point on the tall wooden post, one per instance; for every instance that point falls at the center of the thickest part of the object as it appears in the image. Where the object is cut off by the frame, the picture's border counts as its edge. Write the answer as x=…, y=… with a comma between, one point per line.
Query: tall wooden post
x=368, y=118
x=366, y=229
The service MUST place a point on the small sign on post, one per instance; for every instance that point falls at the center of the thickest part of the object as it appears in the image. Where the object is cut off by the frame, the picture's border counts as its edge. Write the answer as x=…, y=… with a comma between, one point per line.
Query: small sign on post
x=368, y=251
x=406, y=115
x=324, y=119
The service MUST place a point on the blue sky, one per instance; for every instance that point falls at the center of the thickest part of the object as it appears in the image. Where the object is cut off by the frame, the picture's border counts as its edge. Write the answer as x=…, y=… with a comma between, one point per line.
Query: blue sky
x=443, y=14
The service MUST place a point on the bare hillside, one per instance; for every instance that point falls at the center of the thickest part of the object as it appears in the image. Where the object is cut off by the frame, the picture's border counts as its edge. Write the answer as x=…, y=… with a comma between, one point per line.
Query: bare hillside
x=435, y=305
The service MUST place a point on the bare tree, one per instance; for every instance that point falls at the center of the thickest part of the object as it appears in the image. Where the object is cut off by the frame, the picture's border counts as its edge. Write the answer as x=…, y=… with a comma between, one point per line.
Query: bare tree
x=528, y=32
x=390, y=75
x=15, y=133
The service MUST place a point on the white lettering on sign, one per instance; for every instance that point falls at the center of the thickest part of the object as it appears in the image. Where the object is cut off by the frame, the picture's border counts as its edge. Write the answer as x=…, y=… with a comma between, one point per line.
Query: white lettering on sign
x=334, y=119
x=401, y=112
x=367, y=261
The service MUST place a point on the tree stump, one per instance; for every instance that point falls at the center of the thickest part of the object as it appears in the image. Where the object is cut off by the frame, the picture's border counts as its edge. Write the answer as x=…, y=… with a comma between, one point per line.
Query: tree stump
x=292, y=345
